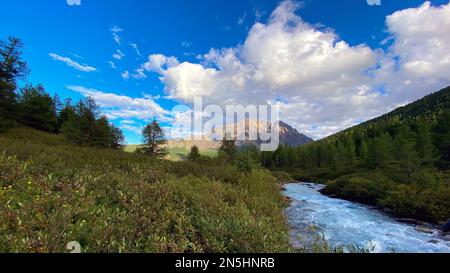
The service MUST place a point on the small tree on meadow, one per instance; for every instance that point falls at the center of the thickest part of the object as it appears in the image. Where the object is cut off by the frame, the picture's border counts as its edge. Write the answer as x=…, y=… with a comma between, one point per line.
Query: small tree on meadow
x=154, y=141
x=228, y=149
x=194, y=154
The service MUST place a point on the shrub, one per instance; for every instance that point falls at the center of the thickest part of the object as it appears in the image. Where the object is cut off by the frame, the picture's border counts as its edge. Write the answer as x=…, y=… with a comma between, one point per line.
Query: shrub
x=52, y=193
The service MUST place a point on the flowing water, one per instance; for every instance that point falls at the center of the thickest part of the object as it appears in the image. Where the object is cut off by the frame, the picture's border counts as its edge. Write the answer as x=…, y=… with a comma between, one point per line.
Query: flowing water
x=344, y=223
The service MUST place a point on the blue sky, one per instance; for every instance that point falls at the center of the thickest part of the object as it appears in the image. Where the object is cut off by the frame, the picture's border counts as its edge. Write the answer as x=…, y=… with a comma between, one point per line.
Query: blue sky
x=69, y=49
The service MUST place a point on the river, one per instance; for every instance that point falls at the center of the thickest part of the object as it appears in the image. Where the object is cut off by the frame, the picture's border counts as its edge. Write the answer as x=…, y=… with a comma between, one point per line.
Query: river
x=344, y=223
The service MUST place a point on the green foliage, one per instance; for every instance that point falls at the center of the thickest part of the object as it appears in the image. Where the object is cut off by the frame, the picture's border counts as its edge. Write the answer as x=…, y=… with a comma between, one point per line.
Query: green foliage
x=154, y=141
x=227, y=150
x=84, y=126
x=12, y=69
x=246, y=159
x=194, y=154
x=283, y=177
x=442, y=138
x=37, y=108
x=52, y=193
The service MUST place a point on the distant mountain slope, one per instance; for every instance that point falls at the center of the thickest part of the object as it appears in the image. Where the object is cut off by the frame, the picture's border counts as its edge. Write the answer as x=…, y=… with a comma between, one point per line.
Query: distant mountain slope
x=288, y=135
x=291, y=137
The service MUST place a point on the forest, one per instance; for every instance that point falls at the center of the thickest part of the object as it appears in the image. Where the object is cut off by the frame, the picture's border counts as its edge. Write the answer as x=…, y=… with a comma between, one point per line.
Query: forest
x=399, y=161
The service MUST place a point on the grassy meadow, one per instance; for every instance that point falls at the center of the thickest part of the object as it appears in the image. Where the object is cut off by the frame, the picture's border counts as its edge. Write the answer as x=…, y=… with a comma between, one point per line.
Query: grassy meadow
x=176, y=153
x=52, y=193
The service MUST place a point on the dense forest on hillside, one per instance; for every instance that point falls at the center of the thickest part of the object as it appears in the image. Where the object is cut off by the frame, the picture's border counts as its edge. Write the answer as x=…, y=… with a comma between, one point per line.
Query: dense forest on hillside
x=399, y=161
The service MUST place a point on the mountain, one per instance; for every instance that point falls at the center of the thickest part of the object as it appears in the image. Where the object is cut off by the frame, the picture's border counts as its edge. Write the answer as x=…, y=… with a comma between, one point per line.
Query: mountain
x=291, y=137
x=288, y=136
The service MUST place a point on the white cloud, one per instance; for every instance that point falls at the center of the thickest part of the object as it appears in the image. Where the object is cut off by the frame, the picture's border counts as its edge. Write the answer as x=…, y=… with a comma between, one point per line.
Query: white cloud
x=115, y=33
x=241, y=19
x=139, y=74
x=418, y=60
x=118, y=55
x=158, y=63
x=125, y=75
x=73, y=2
x=286, y=58
x=136, y=48
x=72, y=63
x=123, y=107
x=132, y=128
x=112, y=64
x=324, y=83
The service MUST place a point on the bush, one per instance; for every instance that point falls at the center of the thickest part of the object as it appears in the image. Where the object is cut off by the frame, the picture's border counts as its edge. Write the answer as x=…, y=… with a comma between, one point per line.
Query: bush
x=427, y=199
x=52, y=193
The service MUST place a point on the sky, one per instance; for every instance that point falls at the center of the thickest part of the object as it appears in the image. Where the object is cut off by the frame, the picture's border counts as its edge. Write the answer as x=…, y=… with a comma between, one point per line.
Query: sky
x=329, y=64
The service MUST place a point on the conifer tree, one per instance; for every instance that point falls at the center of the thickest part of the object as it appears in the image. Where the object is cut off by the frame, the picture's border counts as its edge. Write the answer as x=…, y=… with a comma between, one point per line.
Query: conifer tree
x=154, y=141
x=194, y=154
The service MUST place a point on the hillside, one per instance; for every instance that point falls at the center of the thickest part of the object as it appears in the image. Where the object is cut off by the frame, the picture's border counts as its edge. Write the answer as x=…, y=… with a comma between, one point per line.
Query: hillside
x=52, y=193
x=399, y=162
x=428, y=108
x=288, y=135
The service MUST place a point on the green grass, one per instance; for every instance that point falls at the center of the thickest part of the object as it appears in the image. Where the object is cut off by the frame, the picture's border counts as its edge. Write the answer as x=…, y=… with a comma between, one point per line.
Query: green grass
x=52, y=193
x=176, y=153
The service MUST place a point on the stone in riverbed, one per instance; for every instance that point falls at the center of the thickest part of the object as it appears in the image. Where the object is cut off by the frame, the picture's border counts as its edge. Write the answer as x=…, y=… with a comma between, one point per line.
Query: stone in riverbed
x=424, y=229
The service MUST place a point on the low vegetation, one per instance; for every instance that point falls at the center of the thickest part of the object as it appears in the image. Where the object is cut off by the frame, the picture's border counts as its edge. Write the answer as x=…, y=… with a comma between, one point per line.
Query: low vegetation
x=52, y=192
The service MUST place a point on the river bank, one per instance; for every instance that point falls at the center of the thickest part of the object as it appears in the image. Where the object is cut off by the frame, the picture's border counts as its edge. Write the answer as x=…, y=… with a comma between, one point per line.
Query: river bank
x=354, y=226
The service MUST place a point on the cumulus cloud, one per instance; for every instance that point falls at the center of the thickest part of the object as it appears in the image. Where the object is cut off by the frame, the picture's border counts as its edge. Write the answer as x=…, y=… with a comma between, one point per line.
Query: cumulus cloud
x=72, y=63
x=73, y=2
x=158, y=63
x=123, y=107
x=418, y=59
x=286, y=59
x=323, y=84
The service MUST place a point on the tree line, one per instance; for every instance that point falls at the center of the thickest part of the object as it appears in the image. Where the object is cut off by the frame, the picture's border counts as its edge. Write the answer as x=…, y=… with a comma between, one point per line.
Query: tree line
x=403, y=146
x=81, y=123
x=400, y=161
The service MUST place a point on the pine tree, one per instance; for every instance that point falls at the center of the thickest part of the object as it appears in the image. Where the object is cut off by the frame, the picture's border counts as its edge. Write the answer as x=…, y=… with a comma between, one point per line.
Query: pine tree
x=117, y=139
x=405, y=151
x=442, y=138
x=101, y=134
x=363, y=151
x=154, y=141
x=380, y=152
x=12, y=69
x=194, y=154
x=88, y=112
x=228, y=149
x=69, y=124
x=425, y=146
x=350, y=150
x=37, y=109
